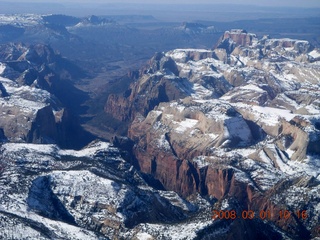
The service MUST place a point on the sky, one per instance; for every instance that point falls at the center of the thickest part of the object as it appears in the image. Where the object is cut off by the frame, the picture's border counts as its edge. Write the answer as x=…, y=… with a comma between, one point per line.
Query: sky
x=292, y=3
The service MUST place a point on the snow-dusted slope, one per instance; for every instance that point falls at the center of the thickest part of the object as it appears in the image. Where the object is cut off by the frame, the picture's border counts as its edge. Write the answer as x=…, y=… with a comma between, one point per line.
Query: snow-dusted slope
x=247, y=111
x=88, y=194
x=21, y=20
x=19, y=106
x=234, y=128
x=35, y=96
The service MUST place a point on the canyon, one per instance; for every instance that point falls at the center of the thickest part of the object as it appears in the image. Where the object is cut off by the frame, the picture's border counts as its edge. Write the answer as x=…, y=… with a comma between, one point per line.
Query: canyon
x=233, y=128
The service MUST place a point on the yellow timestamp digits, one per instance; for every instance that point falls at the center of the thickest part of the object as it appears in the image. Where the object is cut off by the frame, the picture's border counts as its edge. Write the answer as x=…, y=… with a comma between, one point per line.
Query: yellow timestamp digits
x=262, y=214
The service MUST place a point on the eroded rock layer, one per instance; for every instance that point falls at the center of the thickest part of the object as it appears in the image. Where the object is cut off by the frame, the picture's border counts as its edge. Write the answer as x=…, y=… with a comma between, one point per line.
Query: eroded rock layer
x=236, y=128
x=242, y=124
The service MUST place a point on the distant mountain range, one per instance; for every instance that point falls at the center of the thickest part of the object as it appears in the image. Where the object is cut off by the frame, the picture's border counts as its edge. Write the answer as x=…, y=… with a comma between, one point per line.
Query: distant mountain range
x=222, y=143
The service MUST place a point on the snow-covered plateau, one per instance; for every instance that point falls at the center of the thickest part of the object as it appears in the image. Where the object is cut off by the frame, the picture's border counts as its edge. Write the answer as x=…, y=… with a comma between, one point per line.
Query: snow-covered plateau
x=233, y=128
x=240, y=123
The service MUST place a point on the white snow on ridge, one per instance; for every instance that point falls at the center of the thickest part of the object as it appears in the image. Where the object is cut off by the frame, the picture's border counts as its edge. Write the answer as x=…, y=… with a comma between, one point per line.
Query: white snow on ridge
x=186, y=50
x=268, y=115
x=181, y=231
x=200, y=92
x=26, y=98
x=177, y=55
x=25, y=105
x=243, y=89
x=88, y=185
x=73, y=232
x=20, y=19
x=288, y=100
x=313, y=109
x=309, y=166
x=86, y=152
x=272, y=40
x=202, y=67
x=212, y=135
x=41, y=149
x=51, y=149
x=252, y=87
x=14, y=88
x=315, y=54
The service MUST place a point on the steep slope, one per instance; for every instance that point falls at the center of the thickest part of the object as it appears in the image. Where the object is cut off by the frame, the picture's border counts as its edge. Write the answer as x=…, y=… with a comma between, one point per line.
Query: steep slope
x=92, y=193
x=233, y=130
x=37, y=97
x=239, y=123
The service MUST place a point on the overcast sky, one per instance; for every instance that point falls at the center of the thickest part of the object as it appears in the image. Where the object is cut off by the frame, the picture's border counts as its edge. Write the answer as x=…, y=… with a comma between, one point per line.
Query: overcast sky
x=293, y=3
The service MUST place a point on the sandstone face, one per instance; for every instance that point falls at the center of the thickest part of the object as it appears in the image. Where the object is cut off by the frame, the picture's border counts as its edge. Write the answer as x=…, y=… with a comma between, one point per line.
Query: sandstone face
x=96, y=194
x=289, y=44
x=174, y=75
x=234, y=38
x=183, y=130
x=234, y=128
x=126, y=108
x=195, y=124
x=248, y=121
x=91, y=193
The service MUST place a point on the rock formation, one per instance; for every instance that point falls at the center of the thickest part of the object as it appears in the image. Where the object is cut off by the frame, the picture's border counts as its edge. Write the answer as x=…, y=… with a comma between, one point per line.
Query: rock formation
x=33, y=86
x=233, y=129
x=243, y=120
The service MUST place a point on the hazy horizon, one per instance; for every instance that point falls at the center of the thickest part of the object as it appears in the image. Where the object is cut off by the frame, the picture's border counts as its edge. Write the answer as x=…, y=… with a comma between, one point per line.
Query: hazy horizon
x=268, y=3
x=186, y=10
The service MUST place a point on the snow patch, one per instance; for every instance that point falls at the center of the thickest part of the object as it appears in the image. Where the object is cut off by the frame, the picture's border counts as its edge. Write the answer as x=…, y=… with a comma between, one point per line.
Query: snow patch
x=314, y=54
x=144, y=236
x=290, y=152
x=41, y=149
x=268, y=115
x=201, y=161
x=186, y=124
x=252, y=87
x=26, y=98
x=163, y=143
x=200, y=92
x=89, y=151
x=20, y=19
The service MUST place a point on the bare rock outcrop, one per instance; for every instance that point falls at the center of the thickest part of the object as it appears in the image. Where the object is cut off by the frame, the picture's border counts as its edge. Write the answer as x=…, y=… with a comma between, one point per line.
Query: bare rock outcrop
x=43, y=129
x=35, y=90
x=167, y=77
x=180, y=131
x=247, y=123
x=234, y=38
